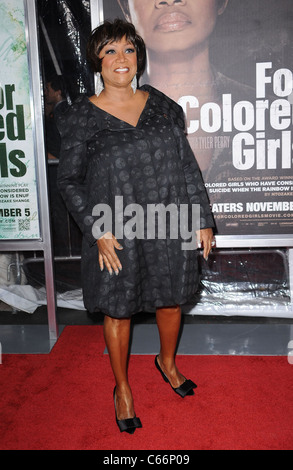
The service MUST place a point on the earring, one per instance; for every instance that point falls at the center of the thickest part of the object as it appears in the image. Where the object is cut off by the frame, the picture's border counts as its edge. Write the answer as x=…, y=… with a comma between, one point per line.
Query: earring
x=134, y=84
x=99, y=84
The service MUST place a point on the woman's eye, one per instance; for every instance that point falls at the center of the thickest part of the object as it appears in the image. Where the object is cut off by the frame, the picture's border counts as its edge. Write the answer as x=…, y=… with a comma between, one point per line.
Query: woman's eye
x=129, y=50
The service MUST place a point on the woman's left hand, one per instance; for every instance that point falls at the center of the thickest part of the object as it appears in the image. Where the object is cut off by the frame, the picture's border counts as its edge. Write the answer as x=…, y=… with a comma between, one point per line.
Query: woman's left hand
x=206, y=239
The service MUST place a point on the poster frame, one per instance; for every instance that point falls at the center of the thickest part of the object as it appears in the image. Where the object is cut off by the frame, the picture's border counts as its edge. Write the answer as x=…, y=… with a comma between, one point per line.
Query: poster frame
x=44, y=243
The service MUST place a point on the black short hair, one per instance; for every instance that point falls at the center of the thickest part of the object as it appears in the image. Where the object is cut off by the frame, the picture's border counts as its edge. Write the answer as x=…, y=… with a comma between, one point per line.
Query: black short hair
x=111, y=31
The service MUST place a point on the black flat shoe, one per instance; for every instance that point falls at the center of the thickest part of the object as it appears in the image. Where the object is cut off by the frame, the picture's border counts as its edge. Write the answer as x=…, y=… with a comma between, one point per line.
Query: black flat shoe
x=184, y=389
x=128, y=425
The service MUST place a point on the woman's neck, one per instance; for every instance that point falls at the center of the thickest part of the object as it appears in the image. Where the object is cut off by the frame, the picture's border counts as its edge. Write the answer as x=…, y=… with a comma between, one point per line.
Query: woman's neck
x=117, y=94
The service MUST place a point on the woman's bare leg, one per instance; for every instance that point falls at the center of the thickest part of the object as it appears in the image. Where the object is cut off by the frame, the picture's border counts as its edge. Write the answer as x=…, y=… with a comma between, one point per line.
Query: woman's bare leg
x=169, y=321
x=117, y=334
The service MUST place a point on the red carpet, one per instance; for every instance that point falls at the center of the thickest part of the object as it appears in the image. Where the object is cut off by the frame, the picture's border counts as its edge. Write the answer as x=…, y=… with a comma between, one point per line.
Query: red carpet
x=64, y=401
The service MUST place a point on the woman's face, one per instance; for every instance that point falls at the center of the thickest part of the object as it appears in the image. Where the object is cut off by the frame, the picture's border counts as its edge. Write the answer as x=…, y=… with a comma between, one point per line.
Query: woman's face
x=119, y=64
x=174, y=24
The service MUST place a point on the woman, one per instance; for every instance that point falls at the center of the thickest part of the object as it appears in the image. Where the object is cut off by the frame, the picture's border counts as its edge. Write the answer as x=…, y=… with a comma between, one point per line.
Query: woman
x=128, y=142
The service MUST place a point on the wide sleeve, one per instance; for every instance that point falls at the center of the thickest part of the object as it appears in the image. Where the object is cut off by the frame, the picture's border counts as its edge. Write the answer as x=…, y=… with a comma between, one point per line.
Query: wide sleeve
x=73, y=165
x=194, y=182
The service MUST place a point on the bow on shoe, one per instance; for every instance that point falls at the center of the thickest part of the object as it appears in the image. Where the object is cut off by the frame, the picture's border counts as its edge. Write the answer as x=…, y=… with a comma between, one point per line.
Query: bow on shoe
x=184, y=389
x=128, y=425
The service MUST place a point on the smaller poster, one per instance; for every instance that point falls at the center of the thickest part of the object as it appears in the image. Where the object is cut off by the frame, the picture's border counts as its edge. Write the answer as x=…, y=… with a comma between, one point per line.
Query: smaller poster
x=19, y=215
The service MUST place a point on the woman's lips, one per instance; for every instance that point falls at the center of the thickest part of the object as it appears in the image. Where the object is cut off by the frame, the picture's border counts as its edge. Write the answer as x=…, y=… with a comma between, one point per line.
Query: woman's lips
x=122, y=69
x=172, y=22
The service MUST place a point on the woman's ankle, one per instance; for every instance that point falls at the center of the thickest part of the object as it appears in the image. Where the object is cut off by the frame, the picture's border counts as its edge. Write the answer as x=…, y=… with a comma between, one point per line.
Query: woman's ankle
x=124, y=402
x=170, y=369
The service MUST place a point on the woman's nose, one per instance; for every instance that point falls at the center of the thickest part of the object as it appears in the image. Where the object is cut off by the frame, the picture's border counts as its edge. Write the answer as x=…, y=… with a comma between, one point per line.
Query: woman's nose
x=162, y=3
x=120, y=56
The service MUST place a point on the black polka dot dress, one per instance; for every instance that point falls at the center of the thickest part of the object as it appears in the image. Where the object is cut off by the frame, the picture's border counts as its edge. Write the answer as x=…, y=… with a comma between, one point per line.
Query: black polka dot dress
x=106, y=163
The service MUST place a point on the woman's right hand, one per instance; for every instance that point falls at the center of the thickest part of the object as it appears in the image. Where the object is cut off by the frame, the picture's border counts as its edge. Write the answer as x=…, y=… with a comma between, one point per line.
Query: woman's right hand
x=107, y=245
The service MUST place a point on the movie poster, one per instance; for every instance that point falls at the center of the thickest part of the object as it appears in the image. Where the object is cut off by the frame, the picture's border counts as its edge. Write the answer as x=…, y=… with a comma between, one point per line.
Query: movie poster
x=18, y=186
x=229, y=64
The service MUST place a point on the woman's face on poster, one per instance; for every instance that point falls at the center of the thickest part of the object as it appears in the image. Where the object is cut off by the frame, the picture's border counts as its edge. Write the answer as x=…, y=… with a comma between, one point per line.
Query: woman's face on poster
x=175, y=24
